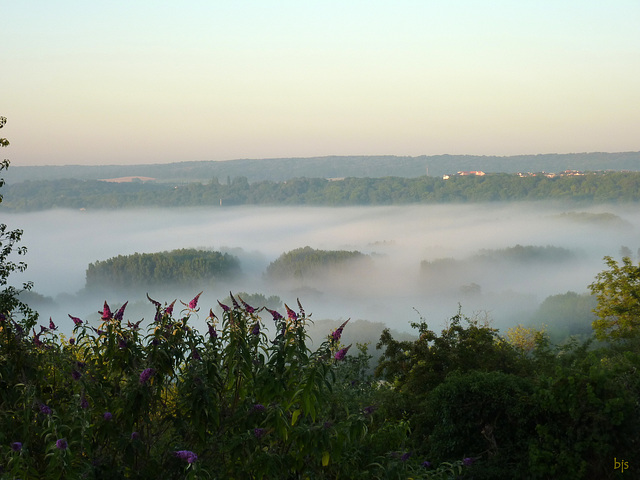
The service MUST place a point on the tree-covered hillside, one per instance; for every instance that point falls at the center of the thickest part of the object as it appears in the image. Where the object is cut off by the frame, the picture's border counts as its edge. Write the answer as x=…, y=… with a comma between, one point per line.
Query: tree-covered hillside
x=280, y=169
x=585, y=189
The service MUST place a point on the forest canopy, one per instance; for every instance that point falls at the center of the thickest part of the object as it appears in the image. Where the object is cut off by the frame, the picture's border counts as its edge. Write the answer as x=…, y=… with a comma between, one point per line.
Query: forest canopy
x=617, y=187
x=185, y=267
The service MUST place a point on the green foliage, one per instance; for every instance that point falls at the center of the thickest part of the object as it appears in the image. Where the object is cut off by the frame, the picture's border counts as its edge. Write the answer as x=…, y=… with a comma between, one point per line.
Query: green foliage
x=72, y=193
x=115, y=402
x=10, y=304
x=184, y=267
x=618, y=293
x=308, y=262
x=482, y=415
x=567, y=314
x=465, y=345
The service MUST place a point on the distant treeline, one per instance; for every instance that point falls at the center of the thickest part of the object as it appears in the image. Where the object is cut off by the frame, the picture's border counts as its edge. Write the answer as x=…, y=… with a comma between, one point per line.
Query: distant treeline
x=183, y=267
x=280, y=169
x=69, y=193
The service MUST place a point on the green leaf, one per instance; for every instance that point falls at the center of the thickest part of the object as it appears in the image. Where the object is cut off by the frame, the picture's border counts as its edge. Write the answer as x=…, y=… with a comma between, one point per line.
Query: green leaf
x=295, y=416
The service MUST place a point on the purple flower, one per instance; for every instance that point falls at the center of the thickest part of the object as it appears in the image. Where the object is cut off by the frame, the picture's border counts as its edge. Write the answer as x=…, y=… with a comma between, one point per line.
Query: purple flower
x=341, y=353
x=84, y=404
x=146, y=374
x=370, y=409
x=107, y=416
x=276, y=316
x=76, y=320
x=258, y=407
x=247, y=307
x=426, y=464
x=134, y=326
x=45, y=410
x=256, y=329
x=468, y=461
x=194, y=302
x=337, y=333
x=290, y=313
x=135, y=436
x=120, y=313
x=406, y=456
x=169, y=309
x=72, y=341
x=186, y=455
x=212, y=331
x=106, y=312
x=122, y=343
x=36, y=339
x=16, y=446
x=76, y=375
x=61, y=444
x=300, y=307
x=155, y=302
x=225, y=308
x=235, y=303
x=52, y=325
x=195, y=355
x=259, y=432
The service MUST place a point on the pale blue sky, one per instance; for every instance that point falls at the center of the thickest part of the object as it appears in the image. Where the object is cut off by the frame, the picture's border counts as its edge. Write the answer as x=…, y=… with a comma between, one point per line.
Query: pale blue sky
x=88, y=82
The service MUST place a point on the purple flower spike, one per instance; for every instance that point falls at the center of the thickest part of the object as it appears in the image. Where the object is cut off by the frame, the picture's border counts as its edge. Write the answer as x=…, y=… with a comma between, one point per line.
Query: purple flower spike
x=169, y=309
x=258, y=407
x=106, y=312
x=76, y=320
x=276, y=316
x=426, y=464
x=84, y=404
x=107, y=416
x=146, y=374
x=467, y=462
x=120, y=313
x=194, y=303
x=212, y=331
x=16, y=446
x=45, y=410
x=341, y=353
x=195, y=355
x=225, y=308
x=337, y=333
x=72, y=341
x=234, y=301
x=36, y=339
x=259, y=432
x=186, y=455
x=155, y=302
x=135, y=436
x=406, y=456
x=247, y=307
x=76, y=375
x=290, y=313
x=61, y=444
x=52, y=325
x=256, y=329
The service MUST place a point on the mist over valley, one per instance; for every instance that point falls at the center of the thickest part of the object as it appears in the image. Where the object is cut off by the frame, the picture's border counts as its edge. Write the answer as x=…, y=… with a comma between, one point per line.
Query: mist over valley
x=496, y=260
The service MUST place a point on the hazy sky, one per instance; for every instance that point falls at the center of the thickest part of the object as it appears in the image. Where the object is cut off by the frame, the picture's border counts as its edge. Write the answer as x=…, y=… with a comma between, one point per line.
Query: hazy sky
x=87, y=82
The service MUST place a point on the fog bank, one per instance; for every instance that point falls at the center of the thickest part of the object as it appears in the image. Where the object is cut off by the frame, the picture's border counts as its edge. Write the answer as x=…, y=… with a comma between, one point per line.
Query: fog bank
x=62, y=243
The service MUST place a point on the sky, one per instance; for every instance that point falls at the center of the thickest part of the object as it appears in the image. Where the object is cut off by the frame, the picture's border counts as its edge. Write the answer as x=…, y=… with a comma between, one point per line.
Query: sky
x=133, y=82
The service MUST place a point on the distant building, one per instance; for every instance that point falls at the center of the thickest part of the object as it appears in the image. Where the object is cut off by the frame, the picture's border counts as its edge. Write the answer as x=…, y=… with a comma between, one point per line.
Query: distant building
x=476, y=173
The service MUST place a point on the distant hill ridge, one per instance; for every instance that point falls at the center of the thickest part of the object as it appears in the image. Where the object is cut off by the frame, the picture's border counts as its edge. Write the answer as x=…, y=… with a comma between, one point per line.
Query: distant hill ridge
x=279, y=169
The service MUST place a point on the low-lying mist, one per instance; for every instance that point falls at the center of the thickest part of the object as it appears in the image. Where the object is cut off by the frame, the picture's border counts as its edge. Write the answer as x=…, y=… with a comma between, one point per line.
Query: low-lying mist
x=394, y=288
